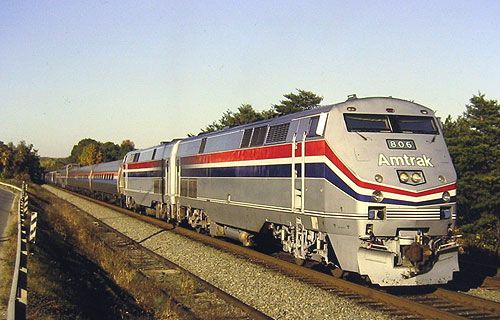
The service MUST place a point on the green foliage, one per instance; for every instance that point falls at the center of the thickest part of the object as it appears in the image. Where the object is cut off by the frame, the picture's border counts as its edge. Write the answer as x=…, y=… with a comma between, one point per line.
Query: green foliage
x=89, y=151
x=245, y=114
x=51, y=164
x=91, y=154
x=109, y=151
x=19, y=162
x=303, y=100
x=473, y=140
x=125, y=147
x=78, y=149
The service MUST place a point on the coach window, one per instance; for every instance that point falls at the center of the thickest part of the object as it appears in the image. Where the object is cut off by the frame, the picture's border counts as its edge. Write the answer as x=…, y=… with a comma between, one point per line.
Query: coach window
x=136, y=157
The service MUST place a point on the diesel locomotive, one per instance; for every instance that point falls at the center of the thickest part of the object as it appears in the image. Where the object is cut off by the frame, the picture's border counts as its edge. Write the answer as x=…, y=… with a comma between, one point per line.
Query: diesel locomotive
x=366, y=185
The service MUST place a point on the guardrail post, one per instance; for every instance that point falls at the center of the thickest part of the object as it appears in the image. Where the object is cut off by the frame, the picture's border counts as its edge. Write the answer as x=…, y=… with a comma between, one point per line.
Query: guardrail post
x=34, y=218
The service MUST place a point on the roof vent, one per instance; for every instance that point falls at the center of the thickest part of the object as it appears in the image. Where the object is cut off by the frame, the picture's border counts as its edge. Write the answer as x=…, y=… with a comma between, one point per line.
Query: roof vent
x=352, y=96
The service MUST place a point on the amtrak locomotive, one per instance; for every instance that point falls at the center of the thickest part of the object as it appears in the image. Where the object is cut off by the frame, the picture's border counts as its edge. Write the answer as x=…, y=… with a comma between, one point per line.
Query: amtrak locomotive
x=366, y=185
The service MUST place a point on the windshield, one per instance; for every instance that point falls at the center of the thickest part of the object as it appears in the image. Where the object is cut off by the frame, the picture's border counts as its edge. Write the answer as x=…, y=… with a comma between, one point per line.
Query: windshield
x=390, y=123
x=414, y=124
x=367, y=122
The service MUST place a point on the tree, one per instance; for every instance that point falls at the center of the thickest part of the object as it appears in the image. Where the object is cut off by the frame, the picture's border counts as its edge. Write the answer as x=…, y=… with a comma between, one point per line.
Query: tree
x=110, y=151
x=473, y=140
x=245, y=114
x=125, y=147
x=90, y=155
x=78, y=149
x=20, y=162
x=5, y=156
x=107, y=151
x=304, y=100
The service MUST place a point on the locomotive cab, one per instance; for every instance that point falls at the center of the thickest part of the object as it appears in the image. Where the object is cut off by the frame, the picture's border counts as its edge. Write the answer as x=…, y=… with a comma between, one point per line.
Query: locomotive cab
x=399, y=175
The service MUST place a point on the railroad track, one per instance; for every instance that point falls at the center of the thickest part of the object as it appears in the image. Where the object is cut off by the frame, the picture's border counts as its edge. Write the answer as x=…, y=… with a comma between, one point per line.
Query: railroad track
x=190, y=296
x=492, y=283
x=437, y=304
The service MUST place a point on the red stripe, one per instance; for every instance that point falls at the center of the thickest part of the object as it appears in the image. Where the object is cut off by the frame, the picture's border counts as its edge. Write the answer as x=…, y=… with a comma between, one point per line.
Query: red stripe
x=104, y=172
x=313, y=148
x=144, y=165
x=271, y=152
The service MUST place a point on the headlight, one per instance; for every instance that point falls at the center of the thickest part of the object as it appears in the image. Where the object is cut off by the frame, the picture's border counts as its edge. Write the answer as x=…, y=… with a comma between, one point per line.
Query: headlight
x=446, y=196
x=404, y=177
x=416, y=177
x=377, y=196
x=442, y=179
x=379, y=178
x=411, y=177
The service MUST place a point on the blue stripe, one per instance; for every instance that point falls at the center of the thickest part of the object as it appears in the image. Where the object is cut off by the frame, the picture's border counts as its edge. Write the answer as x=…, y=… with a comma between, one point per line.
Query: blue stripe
x=270, y=171
x=313, y=170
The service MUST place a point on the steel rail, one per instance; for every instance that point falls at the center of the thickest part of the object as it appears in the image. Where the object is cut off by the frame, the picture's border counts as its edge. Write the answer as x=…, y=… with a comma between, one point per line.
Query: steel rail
x=468, y=300
x=311, y=276
x=491, y=283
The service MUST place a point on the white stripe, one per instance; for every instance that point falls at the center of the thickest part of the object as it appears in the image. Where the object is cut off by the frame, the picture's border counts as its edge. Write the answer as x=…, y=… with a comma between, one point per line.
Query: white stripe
x=140, y=191
x=245, y=163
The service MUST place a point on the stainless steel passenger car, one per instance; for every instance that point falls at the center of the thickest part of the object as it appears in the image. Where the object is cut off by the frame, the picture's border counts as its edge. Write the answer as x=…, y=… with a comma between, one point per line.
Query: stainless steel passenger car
x=99, y=179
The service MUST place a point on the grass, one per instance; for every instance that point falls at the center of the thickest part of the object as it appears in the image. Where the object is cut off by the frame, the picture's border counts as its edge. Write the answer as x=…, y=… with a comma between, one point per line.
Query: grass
x=65, y=277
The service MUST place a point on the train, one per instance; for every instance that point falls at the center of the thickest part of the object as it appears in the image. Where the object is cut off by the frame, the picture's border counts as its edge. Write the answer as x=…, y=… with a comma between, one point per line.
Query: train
x=366, y=186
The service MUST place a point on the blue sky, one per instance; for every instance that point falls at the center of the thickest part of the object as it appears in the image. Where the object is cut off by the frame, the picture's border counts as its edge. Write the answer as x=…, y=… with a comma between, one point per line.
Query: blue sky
x=153, y=71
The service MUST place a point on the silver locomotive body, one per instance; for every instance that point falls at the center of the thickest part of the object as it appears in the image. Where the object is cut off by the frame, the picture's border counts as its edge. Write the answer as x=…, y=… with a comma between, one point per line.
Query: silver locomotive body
x=372, y=190
x=366, y=185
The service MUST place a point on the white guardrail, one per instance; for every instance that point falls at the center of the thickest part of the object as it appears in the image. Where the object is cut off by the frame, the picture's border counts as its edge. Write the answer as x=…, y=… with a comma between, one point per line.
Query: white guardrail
x=18, y=299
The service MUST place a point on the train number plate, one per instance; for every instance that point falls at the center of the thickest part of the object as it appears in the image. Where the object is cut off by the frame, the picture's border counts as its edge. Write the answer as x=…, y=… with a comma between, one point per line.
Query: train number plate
x=401, y=144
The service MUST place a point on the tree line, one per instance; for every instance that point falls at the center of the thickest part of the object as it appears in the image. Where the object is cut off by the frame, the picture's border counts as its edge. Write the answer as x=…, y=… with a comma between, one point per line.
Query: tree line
x=293, y=102
x=89, y=151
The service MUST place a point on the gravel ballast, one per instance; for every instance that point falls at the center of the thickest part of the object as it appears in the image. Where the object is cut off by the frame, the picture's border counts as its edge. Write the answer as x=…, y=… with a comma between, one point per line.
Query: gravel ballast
x=274, y=294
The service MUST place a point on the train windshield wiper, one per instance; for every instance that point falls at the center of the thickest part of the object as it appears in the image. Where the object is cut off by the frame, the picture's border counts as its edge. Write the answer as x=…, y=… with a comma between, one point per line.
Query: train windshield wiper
x=362, y=136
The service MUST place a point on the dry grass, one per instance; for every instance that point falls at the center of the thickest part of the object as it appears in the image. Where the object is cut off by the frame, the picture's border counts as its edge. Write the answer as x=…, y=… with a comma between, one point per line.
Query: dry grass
x=66, y=275
x=165, y=293
x=75, y=227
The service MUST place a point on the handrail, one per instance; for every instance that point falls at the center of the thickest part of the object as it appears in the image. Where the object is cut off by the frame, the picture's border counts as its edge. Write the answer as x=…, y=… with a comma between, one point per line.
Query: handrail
x=11, y=186
x=16, y=309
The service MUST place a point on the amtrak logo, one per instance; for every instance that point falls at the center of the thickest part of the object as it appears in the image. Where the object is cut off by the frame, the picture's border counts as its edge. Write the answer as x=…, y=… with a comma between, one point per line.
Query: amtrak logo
x=404, y=160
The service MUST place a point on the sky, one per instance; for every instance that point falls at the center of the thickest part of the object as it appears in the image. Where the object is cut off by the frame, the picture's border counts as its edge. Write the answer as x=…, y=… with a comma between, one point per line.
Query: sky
x=153, y=71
